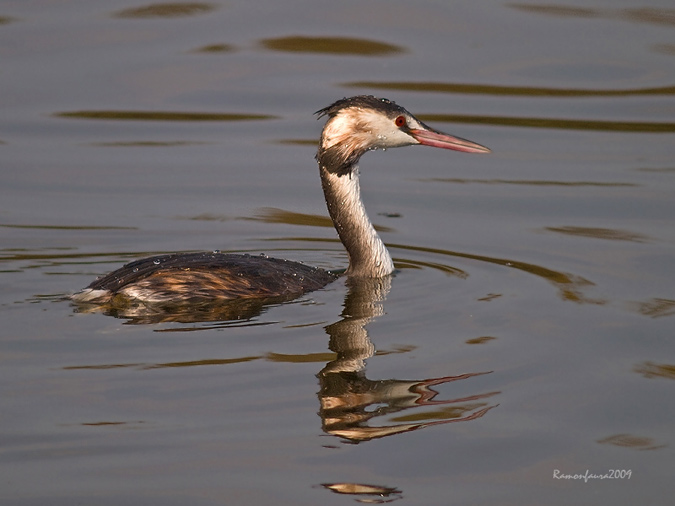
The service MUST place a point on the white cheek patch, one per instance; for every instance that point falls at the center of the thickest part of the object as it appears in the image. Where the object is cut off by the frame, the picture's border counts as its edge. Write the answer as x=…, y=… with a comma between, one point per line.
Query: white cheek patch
x=383, y=132
x=364, y=129
x=336, y=130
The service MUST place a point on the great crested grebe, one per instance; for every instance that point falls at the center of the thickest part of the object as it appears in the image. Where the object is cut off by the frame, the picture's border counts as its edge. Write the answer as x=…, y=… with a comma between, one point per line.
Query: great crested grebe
x=355, y=125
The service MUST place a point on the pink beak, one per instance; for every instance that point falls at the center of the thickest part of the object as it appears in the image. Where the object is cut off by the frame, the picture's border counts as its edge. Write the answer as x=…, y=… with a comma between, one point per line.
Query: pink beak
x=445, y=141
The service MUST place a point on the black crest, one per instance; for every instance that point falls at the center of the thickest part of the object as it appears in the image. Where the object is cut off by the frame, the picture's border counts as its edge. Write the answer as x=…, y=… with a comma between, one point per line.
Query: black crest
x=361, y=102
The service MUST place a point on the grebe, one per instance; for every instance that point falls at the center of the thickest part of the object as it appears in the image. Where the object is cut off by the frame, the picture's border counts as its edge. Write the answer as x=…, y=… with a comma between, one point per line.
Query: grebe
x=355, y=125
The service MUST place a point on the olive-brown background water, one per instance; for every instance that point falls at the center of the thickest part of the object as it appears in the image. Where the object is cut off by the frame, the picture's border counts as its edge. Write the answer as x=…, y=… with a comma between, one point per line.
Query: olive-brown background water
x=526, y=337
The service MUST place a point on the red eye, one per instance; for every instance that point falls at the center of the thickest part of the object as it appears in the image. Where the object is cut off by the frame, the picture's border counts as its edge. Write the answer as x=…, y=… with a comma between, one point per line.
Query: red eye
x=400, y=121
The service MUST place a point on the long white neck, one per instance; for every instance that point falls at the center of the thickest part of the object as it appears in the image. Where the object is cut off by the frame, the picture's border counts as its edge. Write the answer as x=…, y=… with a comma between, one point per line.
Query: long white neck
x=368, y=256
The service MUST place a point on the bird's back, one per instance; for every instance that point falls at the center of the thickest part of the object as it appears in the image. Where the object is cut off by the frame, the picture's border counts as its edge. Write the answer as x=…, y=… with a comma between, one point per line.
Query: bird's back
x=182, y=277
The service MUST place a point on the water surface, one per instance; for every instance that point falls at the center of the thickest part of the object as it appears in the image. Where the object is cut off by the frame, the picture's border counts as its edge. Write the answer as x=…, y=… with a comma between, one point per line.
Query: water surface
x=526, y=337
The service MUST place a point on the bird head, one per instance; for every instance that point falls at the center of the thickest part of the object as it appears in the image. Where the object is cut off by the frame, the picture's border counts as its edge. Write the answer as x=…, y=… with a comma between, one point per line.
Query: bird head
x=363, y=123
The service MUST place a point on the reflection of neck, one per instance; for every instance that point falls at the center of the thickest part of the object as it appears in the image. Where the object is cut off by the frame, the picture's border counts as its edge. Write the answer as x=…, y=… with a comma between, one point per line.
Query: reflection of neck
x=368, y=256
x=348, y=336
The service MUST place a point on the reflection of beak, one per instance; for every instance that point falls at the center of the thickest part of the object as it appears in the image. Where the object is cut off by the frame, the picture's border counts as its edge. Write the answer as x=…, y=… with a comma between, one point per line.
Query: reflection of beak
x=440, y=140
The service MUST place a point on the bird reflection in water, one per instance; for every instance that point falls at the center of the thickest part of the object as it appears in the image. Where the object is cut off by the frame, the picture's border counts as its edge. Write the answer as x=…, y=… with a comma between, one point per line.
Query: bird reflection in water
x=349, y=401
x=351, y=406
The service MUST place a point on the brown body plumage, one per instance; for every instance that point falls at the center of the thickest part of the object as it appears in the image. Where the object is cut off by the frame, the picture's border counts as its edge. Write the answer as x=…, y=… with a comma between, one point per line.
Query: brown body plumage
x=197, y=276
